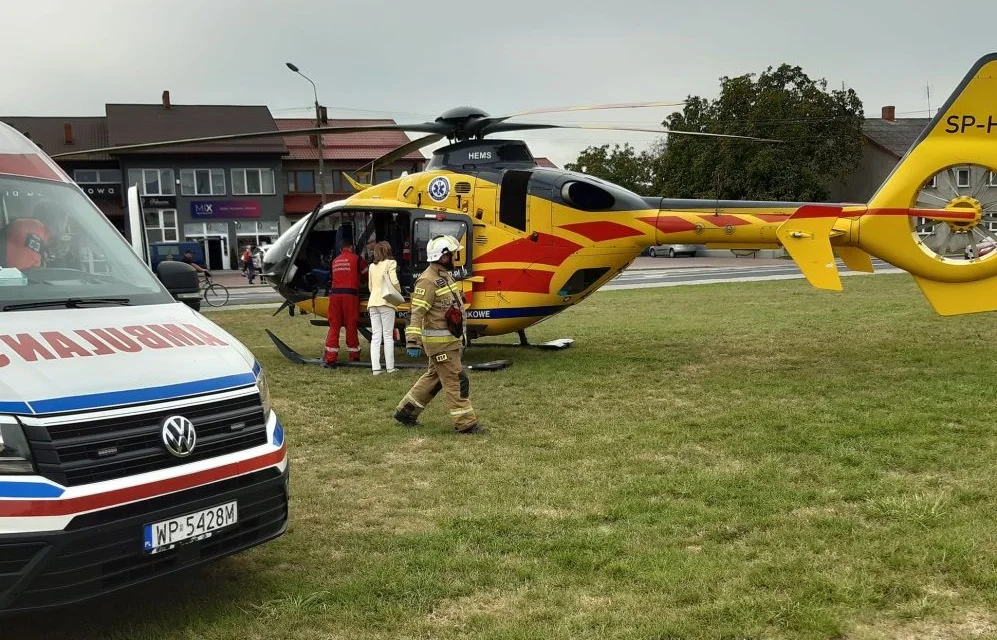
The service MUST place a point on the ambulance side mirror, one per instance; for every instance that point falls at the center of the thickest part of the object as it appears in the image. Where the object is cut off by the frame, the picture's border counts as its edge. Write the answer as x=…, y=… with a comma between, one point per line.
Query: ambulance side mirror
x=181, y=280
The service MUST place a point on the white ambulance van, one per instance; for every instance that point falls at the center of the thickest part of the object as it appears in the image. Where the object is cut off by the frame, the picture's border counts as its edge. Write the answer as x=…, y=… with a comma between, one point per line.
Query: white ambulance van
x=136, y=436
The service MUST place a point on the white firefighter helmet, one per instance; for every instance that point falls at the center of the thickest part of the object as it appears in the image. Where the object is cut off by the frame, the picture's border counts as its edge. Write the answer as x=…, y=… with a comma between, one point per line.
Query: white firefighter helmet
x=440, y=245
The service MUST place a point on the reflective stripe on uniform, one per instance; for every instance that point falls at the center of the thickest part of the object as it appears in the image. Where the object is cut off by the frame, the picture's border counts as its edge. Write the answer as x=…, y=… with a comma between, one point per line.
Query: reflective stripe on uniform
x=443, y=290
x=440, y=339
x=408, y=396
x=422, y=304
x=353, y=349
x=437, y=332
x=413, y=331
x=460, y=412
x=330, y=350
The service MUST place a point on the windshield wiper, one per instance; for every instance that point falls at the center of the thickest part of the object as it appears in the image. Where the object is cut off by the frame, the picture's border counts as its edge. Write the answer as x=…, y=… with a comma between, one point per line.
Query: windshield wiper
x=69, y=303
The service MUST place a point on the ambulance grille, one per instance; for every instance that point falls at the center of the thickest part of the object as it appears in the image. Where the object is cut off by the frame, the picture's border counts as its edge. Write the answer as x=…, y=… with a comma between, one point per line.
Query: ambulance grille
x=462, y=187
x=97, y=450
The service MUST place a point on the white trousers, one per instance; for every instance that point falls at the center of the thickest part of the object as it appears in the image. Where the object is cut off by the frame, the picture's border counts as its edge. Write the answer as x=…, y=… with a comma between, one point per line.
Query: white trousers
x=382, y=326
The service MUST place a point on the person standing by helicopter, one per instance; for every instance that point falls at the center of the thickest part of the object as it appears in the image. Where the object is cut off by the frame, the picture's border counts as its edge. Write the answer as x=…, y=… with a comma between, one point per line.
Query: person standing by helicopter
x=344, y=302
x=437, y=325
x=382, y=312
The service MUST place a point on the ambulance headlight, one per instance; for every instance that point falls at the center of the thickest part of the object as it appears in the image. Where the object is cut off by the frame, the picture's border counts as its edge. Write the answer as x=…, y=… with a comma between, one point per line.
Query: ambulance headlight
x=15, y=455
x=264, y=388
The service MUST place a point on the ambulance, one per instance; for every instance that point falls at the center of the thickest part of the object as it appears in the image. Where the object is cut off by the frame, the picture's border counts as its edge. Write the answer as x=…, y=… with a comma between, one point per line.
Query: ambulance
x=137, y=437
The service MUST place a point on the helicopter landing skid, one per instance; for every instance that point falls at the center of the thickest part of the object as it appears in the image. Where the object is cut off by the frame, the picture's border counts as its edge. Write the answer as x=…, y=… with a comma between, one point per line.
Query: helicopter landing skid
x=550, y=345
x=297, y=358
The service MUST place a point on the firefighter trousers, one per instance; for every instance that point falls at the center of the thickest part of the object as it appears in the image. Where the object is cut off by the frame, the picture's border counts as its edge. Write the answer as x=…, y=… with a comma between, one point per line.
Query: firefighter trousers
x=447, y=374
x=344, y=310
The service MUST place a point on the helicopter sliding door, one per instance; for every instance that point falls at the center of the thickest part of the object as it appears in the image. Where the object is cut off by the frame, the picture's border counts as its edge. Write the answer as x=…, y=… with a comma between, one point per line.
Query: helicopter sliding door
x=432, y=225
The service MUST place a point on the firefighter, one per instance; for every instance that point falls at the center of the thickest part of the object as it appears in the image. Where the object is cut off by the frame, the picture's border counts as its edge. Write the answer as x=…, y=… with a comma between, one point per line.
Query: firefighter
x=344, y=302
x=437, y=325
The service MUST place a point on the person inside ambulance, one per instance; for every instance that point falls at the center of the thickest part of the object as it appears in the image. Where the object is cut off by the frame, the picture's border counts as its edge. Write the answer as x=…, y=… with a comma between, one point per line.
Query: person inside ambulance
x=28, y=241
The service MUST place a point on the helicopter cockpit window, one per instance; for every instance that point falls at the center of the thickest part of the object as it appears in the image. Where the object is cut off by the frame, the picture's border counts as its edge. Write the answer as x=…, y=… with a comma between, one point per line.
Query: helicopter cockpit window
x=56, y=245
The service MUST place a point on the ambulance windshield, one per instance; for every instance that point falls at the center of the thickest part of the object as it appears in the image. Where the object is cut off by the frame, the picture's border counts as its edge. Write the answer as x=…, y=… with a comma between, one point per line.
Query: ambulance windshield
x=56, y=245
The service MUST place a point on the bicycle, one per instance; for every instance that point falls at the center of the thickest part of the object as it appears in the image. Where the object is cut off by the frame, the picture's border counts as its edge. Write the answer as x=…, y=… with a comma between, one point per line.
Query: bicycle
x=216, y=295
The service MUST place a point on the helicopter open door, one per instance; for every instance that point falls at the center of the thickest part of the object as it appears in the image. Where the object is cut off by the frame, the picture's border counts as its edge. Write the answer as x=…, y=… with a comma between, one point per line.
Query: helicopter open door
x=429, y=225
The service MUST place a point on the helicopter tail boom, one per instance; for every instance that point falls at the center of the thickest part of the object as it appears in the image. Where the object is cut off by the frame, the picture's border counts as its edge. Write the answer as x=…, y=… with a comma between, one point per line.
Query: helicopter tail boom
x=934, y=216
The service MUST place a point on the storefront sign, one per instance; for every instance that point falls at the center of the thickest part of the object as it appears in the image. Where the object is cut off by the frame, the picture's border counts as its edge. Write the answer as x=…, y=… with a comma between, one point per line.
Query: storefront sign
x=159, y=202
x=101, y=190
x=225, y=209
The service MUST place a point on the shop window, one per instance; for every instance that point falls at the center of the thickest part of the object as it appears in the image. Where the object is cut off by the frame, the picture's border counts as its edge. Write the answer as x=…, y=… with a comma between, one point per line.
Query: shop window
x=153, y=182
x=254, y=182
x=202, y=182
x=581, y=280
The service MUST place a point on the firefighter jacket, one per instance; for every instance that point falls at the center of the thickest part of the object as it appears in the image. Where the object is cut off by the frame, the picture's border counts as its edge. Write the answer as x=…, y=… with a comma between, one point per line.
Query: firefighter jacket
x=436, y=296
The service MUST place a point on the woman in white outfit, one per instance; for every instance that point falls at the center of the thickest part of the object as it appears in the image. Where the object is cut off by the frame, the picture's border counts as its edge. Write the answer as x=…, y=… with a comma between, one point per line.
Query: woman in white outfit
x=382, y=313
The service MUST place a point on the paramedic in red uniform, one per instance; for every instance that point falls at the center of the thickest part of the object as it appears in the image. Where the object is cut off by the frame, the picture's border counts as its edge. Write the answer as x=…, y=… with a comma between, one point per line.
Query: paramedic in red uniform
x=344, y=302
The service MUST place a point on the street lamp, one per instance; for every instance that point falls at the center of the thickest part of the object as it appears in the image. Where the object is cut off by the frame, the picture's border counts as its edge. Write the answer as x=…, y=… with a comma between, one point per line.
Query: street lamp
x=318, y=123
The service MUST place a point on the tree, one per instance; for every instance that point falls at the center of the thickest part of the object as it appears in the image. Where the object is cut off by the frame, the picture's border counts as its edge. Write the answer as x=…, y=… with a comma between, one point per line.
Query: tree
x=621, y=165
x=820, y=130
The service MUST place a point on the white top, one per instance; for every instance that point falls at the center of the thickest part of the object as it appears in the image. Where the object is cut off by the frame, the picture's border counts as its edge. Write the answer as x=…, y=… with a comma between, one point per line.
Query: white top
x=375, y=277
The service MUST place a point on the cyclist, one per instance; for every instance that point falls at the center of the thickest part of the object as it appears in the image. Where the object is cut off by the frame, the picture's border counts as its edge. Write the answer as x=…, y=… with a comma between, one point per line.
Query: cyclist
x=188, y=257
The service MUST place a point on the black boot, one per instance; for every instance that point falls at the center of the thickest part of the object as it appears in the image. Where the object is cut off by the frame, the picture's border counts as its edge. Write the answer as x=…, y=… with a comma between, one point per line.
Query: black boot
x=476, y=429
x=406, y=417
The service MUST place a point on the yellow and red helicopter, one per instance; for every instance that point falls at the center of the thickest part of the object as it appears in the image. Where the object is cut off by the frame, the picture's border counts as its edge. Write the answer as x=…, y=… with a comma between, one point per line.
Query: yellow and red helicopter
x=538, y=240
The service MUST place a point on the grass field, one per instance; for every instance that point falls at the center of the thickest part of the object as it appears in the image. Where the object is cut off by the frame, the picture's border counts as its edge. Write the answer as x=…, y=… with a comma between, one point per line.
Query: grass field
x=754, y=460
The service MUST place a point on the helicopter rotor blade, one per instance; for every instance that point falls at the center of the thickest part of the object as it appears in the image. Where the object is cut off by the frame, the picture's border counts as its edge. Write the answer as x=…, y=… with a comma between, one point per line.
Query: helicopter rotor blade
x=399, y=152
x=427, y=127
x=510, y=126
x=490, y=121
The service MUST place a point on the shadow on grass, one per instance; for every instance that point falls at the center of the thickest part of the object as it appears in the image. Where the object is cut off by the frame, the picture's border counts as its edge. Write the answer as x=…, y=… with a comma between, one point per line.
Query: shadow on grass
x=161, y=608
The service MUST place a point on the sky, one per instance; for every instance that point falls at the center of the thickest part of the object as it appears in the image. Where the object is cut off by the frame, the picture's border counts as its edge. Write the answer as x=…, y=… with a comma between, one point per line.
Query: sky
x=412, y=61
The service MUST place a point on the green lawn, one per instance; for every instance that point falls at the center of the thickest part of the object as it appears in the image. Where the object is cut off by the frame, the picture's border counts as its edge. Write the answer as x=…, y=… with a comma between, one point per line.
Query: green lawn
x=755, y=460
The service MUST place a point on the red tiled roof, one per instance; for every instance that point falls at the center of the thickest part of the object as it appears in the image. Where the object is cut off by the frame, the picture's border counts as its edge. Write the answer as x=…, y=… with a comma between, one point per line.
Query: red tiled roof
x=365, y=145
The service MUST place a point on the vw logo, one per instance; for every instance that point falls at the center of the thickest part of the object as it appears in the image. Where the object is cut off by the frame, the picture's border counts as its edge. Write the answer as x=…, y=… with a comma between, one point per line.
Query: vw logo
x=439, y=189
x=179, y=436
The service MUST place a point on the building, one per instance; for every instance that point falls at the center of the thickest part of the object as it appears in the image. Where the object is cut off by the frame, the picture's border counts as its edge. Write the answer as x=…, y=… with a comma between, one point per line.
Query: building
x=346, y=152
x=225, y=195
x=887, y=139
x=99, y=175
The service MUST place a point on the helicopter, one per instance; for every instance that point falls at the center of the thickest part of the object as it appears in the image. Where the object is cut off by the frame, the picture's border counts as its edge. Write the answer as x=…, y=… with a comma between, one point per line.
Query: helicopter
x=537, y=240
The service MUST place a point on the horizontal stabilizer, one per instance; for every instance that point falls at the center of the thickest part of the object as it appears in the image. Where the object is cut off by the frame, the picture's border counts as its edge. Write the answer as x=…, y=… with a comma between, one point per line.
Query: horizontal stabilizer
x=855, y=259
x=806, y=235
x=955, y=298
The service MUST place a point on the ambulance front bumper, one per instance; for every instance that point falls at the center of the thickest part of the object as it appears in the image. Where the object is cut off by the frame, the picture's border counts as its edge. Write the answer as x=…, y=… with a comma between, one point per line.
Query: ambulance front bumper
x=102, y=551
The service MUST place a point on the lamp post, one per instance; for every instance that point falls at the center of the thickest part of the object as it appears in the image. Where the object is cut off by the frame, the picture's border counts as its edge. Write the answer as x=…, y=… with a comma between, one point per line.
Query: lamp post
x=318, y=123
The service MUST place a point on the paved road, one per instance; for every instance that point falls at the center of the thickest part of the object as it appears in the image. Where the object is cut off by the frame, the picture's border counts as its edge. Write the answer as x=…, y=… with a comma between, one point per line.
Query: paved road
x=646, y=274
x=670, y=277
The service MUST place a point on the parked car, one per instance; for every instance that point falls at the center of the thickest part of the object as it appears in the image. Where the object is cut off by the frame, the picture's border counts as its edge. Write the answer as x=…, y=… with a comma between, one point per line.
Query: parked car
x=672, y=250
x=984, y=248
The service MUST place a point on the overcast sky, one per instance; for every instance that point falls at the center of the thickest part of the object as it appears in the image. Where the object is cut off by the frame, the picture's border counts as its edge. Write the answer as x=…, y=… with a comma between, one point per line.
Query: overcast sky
x=413, y=60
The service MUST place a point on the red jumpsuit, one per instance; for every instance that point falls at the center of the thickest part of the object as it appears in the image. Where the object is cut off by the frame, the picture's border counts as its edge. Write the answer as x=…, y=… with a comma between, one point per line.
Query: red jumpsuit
x=344, y=304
